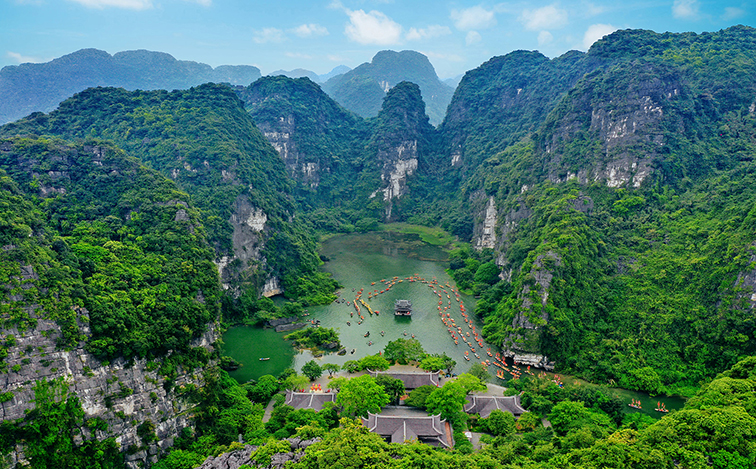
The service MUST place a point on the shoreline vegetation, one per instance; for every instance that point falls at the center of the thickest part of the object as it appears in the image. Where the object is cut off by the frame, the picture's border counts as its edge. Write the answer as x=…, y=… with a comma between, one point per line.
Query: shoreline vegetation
x=435, y=236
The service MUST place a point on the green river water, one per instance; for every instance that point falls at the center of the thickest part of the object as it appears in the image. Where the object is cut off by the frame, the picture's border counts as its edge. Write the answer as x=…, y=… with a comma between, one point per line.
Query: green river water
x=356, y=261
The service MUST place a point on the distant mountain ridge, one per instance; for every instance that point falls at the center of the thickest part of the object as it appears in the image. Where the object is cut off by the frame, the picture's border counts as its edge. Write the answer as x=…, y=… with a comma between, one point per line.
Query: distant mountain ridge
x=28, y=88
x=303, y=72
x=362, y=89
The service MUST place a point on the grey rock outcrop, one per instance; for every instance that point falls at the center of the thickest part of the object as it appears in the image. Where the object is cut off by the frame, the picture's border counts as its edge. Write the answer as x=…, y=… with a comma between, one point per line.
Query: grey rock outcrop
x=120, y=393
x=281, y=321
x=249, y=224
x=399, y=163
x=290, y=327
x=236, y=459
x=746, y=281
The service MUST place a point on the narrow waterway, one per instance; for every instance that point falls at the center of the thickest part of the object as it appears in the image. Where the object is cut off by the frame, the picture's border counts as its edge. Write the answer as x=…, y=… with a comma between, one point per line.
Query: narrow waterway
x=380, y=268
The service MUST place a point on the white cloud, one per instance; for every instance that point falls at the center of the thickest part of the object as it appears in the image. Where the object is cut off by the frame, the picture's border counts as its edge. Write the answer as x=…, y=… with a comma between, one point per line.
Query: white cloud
x=428, y=33
x=308, y=30
x=731, y=13
x=372, y=28
x=544, y=37
x=472, y=38
x=297, y=55
x=596, y=32
x=540, y=19
x=126, y=4
x=475, y=17
x=22, y=59
x=335, y=58
x=204, y=3
x=687, y=9
x=267, y=35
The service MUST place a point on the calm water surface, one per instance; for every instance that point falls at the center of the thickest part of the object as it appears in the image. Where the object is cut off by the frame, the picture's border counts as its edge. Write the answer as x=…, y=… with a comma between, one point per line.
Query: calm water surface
x=357, y=261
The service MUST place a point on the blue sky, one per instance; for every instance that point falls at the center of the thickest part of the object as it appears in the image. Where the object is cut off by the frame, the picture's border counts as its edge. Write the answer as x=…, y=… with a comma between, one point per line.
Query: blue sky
x=319, y=35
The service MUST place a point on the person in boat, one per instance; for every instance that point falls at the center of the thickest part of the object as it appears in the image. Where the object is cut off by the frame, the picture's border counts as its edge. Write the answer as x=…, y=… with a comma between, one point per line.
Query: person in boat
x=349, y=323
x=383, y=333
x=367, y=334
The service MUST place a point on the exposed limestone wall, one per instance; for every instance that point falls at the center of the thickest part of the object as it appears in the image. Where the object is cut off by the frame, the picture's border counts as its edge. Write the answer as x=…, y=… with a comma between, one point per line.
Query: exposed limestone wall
x=628, y=132
x=297, y=165
x=746, y=281
x=301, y=167
x=397, y=178
x=236, y=459
x=272, y=287
x=399, y=163
x=123, y=394
x=249, y=224
x=486, y=237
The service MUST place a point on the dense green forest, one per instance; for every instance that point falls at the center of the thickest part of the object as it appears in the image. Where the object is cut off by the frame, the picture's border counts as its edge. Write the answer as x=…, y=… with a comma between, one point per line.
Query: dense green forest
x=204, y=140
x=623, y=252
x=322, y=134
x=103, y=233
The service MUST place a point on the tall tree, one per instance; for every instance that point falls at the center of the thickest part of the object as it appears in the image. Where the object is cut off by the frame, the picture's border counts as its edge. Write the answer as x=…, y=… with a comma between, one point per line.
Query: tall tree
x=361, y=395
x=448, y=401
x=393, y=387
x=312, y=370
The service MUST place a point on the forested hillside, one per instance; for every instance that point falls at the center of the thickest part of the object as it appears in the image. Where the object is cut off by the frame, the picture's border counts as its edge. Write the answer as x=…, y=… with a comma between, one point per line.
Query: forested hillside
x=624, y=224
x=103, y=260
x=319, y=141
x=204, y=140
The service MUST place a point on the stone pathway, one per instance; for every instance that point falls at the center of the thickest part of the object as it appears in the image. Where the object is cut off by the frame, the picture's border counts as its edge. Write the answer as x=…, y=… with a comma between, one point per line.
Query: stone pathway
x=268, y=411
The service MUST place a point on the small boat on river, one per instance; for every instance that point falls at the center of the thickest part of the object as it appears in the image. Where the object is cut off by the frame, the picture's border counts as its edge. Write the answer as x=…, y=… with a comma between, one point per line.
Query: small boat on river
x=660, y=407
x=265, y=359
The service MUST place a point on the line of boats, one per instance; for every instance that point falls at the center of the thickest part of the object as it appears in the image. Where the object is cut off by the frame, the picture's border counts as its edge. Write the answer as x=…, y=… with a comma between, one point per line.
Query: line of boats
x=470, y=337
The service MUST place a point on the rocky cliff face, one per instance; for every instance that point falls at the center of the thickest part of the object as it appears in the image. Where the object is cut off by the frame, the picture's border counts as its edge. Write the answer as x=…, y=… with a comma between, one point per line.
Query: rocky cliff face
x=249, y=224
x=243, y=457
x=400, y=164
x=123, y=394
x=610, y=128
x=313, y=135
x=298, y=168
x=484, y=233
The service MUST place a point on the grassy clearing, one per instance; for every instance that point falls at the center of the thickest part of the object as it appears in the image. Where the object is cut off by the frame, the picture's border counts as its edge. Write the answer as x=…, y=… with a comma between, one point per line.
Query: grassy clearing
x=434, y=236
